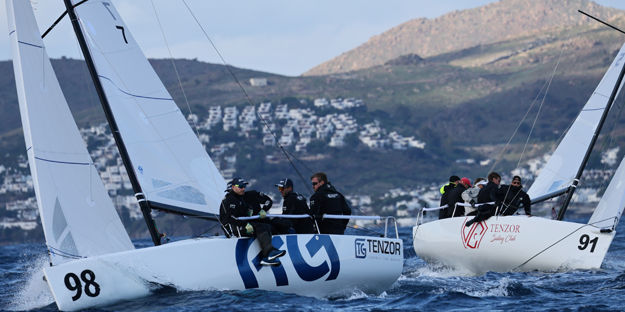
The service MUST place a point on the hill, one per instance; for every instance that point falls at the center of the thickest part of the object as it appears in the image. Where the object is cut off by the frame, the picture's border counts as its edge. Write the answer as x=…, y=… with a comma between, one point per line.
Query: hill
x=465, y=29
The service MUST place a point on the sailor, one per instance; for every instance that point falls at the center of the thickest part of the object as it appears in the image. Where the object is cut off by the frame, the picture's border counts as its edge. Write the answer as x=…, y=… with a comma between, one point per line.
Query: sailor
x=294, y=204
x=261, y=203
x=327, y=200
x=494, y=179
x=453, y=182
x=233, y=206
x=455, y=197
x=509, y=198
x=470, y=196
x=486, y=210
x=258, y=200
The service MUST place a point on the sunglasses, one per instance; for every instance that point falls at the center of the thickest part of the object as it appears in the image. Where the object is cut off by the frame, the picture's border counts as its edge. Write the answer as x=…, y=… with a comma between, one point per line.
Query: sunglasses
x=315, y=183
x=516, y=183
x=280, y=188
x=240, y=185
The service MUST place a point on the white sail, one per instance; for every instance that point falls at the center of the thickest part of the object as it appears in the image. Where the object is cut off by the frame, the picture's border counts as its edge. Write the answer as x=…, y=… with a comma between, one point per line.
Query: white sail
x=171, y=164
x=610, y=207
x=561, y=168
x=78, y=217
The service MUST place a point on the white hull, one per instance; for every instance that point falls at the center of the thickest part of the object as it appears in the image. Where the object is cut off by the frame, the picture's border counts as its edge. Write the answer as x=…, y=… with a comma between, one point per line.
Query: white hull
x=511, y=243
x=315, y=265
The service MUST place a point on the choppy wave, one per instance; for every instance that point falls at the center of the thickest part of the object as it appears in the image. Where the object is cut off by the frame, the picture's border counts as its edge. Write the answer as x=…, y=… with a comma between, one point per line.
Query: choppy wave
x=421, y=287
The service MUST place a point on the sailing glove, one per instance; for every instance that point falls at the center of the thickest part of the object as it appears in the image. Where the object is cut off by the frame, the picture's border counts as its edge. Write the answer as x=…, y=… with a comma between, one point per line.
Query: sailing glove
x=262, y=214
x=249, y=229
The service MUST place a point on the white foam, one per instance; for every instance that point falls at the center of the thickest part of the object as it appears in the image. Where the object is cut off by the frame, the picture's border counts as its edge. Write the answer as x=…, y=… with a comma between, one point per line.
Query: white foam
x=500, y=290
x=432, y=270
x=33, y=293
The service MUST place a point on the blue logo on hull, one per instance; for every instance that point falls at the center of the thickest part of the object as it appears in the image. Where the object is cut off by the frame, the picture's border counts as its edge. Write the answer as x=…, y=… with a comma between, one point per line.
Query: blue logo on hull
x=361, y=248
x=305, y=271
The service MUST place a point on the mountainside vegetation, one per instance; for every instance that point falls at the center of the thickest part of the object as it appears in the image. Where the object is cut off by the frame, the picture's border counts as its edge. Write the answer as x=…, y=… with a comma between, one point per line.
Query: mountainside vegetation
x=464, y=91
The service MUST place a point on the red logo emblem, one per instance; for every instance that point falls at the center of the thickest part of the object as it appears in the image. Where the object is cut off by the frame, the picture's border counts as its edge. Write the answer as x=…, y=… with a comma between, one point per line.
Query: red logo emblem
x=472, y=235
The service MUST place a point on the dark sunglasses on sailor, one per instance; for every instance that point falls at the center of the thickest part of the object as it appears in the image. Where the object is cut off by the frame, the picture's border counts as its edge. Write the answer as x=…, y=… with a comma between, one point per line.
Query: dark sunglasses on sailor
x=240, y=185
x=315, y=183
x=516, y=182
x=280, y=188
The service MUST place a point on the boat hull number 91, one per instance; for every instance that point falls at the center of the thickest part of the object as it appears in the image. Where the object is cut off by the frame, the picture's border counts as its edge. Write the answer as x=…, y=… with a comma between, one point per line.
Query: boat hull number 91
x=585, y=240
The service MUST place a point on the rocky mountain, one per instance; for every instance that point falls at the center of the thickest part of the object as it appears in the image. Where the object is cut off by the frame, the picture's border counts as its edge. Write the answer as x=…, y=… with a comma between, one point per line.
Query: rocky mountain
x=465, y=29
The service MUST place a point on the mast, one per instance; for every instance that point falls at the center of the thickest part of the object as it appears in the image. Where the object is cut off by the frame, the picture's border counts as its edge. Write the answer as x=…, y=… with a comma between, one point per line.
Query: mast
x=573, y=186
x=145, y=208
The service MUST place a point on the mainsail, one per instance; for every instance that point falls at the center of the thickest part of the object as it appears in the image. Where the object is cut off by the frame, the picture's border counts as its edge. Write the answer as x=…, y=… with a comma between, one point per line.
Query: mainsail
x=566, y=160
x=78, y=217
x=171, y=165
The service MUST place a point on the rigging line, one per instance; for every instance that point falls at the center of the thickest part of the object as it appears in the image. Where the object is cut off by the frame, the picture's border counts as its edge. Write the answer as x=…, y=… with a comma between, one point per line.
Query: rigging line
x=543, y=100
x=492, y=168
x=175, y=68
x=308, y=187
x=542, y=103
x=547, y=85
x=557, y=242
x=177, y=226
x=60, y=18
x=301, y=162
x=212, y=227
x=600, y=21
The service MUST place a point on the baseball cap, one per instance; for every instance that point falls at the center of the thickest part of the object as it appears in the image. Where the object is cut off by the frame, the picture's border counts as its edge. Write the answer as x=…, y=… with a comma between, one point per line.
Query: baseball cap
x=466, y=181
x=236, y=181
x=285, y=183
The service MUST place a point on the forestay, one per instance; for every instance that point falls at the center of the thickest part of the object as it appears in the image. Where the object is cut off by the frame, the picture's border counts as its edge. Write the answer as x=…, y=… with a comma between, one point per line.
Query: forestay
x=171, y=164
x=78, y=217
x=610, y=208
x=561, y=168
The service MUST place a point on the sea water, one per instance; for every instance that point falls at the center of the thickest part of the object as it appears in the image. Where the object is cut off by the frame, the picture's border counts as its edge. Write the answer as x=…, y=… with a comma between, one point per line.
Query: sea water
x=421, y=287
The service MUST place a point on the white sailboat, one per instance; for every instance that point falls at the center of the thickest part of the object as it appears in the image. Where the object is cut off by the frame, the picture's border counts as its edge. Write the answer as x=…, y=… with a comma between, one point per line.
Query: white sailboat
x=528, y=243
x=92, y=260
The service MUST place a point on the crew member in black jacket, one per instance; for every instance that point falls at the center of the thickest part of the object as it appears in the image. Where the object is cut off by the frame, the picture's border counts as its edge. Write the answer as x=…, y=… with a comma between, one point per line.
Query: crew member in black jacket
x=295, y=204
x=485, y=210
x=256, y=199
x=455, y=197
x=510, y=197
x=233, y=206
x=444, y=213
x=327, y=200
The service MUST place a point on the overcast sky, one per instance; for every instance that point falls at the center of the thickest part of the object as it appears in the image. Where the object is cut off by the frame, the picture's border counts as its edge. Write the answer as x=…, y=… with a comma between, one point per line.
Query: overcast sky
x=278, y=36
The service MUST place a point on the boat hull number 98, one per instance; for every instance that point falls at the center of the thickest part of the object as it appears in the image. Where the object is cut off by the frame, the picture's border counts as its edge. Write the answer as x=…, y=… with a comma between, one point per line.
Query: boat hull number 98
x=91, y=288
x=585, y=240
